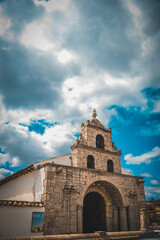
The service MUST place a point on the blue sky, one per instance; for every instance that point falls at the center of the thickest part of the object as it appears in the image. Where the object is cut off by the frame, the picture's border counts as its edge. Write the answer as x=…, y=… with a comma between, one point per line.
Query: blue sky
x=59, y=59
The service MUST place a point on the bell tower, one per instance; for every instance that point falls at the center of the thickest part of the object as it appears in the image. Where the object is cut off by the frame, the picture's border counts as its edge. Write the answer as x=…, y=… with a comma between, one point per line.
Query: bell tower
x=94, y=148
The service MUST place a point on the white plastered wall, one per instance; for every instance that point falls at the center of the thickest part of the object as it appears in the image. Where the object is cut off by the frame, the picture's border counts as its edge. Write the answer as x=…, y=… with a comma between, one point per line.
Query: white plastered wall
x=28, y=187
x=62, y=160
x=17, y=221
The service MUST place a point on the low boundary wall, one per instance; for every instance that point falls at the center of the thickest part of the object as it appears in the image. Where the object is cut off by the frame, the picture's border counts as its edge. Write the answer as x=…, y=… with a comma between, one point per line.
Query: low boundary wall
x=130, y=235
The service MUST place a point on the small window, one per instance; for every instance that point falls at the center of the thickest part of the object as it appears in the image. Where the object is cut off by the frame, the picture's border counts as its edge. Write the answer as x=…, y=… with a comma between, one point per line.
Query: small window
x=90, y=162
x=99, y=141
x=110, y=167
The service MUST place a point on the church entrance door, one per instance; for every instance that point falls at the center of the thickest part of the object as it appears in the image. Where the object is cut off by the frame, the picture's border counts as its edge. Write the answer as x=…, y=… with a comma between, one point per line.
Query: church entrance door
x=93, y=213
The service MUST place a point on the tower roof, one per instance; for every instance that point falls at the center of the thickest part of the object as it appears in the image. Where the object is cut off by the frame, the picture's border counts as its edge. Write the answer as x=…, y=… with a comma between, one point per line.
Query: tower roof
x=95, y=122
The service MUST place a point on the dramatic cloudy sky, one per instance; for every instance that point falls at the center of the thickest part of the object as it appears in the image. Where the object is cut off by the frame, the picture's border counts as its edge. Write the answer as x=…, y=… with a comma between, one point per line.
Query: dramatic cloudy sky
x=59, y=59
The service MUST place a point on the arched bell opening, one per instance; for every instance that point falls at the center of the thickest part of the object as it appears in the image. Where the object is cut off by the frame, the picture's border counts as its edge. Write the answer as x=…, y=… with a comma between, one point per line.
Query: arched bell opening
x=99, y=141
x=110, y=166
x=90, y=162
x=94, y=213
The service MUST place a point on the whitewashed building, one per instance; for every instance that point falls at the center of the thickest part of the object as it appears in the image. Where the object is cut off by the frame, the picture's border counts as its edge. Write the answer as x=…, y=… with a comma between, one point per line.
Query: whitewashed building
x=21, y=196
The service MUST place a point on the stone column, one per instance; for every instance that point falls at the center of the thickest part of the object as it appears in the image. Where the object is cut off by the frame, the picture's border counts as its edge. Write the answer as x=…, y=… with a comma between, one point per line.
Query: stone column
x=132, y=218
x=123, y=219
x=109, y=218
x=143, y=219
x=79, y=219
x=115, y=219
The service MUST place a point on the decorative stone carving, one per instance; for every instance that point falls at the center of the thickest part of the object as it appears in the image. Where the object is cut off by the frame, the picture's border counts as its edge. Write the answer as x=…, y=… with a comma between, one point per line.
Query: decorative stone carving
x=114, y=147
x=131, y=194
x=69, y=174
x=82, y=125
x=58, y=170
x=69, y=188
x=110, y=129
x=88, y=122
x=120, y=152
x=80, y=140
x=140, y=180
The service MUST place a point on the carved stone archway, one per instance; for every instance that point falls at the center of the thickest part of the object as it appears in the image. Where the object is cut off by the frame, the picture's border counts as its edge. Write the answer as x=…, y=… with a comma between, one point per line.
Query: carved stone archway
x=115, y=211
x=105, y=180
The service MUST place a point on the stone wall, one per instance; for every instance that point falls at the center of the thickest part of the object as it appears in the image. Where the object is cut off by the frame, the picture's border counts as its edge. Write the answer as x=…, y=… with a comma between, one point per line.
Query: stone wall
x=80, y=154
x=89, y=133
x=65, y=189
x=86, y=145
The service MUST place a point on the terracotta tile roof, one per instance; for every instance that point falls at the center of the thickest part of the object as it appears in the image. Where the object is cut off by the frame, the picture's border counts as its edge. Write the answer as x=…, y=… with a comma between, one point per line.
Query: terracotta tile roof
x=21, y=203
x=17, y=174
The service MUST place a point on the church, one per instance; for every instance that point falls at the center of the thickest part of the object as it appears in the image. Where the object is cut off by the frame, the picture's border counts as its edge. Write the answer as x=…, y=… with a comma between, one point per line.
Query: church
x=84, y=191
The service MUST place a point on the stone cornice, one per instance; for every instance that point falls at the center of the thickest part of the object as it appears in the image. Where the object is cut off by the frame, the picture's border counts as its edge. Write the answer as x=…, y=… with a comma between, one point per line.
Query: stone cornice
x=99, y=172
x=21, y=203
x=95, y=149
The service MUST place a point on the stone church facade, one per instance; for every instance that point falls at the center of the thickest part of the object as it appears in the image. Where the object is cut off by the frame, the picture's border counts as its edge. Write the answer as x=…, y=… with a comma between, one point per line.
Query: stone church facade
x=92, y=194
x=81, y=192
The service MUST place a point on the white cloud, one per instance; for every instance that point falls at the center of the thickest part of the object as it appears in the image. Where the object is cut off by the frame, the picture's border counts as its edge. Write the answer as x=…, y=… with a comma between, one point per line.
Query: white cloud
x=15, y=162
x=146, y=175
x=47, y=34
x=112, y=81
x=64, y=56
x=5, y=24
x=20, y=147
x=137, y=30
x=56, y=137
x=156, y=107
x=35, y=35
x=92, y=90
x=40, y=33
x=24, y=116
x=4, y=158
x=4, y=172
x=154, y=182
x=74, y=90
x=150, y=189
x=23, y=147
x=145, y=42
x=22, y=130
x=134, y=9
x=144, y=158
